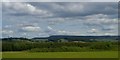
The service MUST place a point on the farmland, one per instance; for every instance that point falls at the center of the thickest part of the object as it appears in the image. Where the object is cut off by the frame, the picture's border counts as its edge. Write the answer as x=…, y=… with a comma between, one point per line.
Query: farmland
x=102, y=54
x=24, y=48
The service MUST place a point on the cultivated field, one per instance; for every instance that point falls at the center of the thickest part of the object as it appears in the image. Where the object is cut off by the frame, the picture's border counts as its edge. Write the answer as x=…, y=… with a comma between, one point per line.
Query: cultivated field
x=102, y=54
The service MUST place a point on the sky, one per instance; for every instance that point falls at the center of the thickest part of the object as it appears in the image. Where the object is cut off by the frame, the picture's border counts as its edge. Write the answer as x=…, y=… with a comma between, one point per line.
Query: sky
x=43, y=19
x=59, y=0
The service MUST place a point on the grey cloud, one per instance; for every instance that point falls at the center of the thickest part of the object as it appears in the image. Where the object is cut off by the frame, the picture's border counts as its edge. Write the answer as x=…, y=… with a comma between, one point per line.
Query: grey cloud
x=80, y=9
x=60, y=0
x=22, y=9
x=64, y=9
x=79, y=17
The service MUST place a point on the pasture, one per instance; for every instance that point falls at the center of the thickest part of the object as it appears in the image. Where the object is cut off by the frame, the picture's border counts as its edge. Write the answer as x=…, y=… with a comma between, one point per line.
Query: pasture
x=97, y=54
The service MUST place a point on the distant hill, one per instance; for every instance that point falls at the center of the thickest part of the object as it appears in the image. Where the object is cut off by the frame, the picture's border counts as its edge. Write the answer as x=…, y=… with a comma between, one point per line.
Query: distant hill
x=82, y=38
x=55, y=38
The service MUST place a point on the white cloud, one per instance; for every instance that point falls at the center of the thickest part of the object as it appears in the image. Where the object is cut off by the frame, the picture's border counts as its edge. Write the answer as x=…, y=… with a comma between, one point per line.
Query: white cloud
x=31, y=28
x=7, y=32
x=50, y=31
x=75, y=8
x=24, y=34
x=97, y=16
x=111, y=28
x=7, y=26
x=93, y=30
x=54, y=21
x=62, y=31
x=100, y=19
x=111, y=34
x=50, y=28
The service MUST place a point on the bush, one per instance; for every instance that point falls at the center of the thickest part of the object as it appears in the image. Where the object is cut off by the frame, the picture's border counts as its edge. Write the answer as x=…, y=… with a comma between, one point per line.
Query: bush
x=101, y=46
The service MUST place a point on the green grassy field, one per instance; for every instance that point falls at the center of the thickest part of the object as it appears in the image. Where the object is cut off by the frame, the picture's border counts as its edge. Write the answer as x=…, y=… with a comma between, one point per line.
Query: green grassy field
x=105, y=54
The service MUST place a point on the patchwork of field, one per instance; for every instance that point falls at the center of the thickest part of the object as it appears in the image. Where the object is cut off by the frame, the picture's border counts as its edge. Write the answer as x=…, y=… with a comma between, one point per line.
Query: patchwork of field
x=98, y=54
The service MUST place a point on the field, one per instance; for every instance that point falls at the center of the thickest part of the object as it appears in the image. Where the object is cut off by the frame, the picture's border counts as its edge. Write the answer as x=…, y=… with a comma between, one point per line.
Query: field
x=102, y=54
x=25, y=49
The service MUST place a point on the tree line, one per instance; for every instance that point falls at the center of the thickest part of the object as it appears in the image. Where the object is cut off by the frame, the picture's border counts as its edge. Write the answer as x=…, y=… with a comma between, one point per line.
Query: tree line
x=57, y=46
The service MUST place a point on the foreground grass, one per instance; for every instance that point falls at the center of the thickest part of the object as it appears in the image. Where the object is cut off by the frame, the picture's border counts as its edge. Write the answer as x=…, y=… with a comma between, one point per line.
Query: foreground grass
x=0, y=54
x=105, y=54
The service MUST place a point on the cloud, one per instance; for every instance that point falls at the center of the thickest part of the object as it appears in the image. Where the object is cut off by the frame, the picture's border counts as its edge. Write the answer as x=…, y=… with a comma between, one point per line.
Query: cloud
x=54, y=21
x=110, y=34
x=64, y=18
x=60, y=0
x=24, y=9
x=7, y=26
x=109, y=28
x=63, y=32
x=7, y=32
x=100, y=19
x=60, y=9
x=50, y=28
x=31, y=28
x=50, y=31
x=93, y=31
x=79, y=9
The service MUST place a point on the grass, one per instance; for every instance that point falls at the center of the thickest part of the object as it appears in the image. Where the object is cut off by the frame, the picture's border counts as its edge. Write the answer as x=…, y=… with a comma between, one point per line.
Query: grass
x=103, y=54
x=0, y=54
